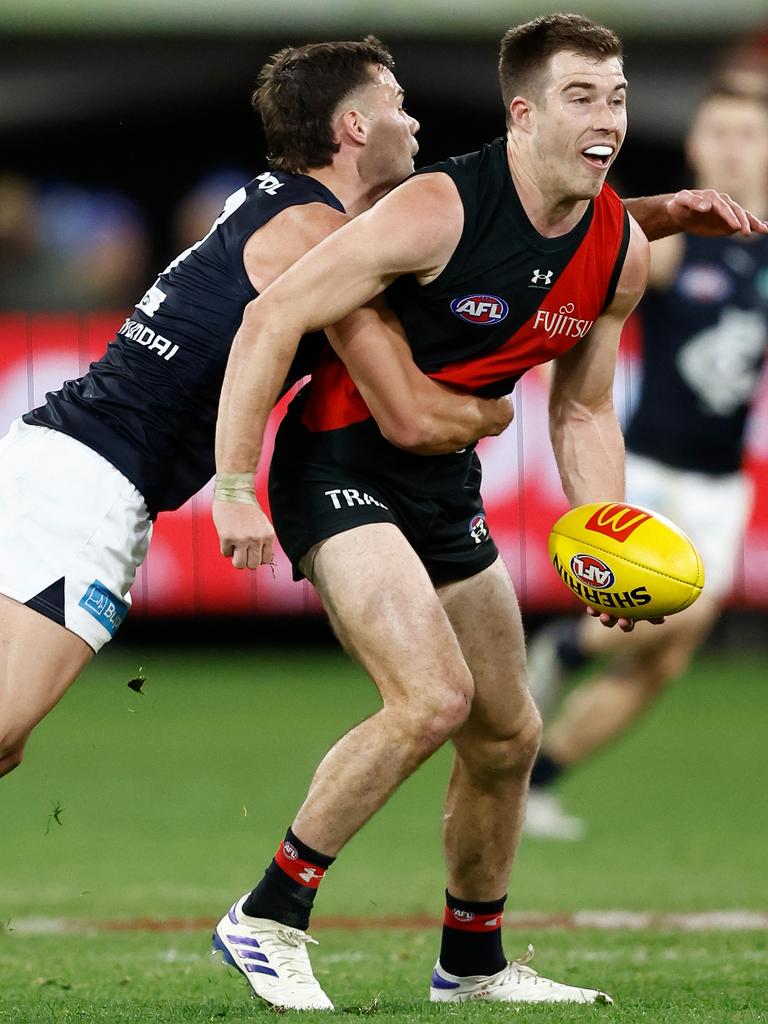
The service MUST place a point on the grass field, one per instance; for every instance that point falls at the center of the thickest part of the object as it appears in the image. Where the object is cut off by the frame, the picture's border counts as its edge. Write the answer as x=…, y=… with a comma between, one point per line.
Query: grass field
x=169, y=804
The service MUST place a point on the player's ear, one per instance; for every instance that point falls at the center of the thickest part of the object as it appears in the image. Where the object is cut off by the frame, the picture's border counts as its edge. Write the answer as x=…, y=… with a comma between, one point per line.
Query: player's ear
x=521, y=113
x=354, y=126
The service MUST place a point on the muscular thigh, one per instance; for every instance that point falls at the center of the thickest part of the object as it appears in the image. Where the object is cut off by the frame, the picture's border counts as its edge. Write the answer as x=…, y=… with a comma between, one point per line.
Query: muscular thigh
x=384, y=609
x=485, y=617
x=39, y=660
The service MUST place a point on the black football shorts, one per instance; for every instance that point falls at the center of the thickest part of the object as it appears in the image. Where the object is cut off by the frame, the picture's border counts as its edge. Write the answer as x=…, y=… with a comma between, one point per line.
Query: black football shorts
x=322, y=484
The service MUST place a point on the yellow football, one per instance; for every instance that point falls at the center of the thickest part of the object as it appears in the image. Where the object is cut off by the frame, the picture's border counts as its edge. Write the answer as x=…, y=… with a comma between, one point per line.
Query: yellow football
x=630, y=561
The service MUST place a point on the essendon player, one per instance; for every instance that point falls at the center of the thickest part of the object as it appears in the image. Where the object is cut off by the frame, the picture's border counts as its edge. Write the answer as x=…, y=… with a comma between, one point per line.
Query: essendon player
x=705, y=329
x=493, y=262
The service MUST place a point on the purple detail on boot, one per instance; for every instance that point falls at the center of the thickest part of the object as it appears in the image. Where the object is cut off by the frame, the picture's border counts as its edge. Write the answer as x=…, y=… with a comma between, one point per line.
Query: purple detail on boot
x=438, y=981
x=260, y=970
x=231, y=914
x=218, y=946
x=247, y=954
x=240, y=940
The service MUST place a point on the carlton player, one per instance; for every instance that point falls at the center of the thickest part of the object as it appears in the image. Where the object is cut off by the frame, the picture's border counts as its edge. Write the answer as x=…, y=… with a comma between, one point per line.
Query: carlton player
x=493, y=262
x=83, y=476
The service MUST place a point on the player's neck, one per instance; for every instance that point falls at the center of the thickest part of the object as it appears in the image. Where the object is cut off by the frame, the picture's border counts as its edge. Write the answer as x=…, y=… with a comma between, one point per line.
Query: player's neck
x=345, y=182
x=551, y=212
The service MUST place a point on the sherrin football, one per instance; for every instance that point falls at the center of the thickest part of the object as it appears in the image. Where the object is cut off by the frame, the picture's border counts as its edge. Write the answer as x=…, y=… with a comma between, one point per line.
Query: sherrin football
x=630, y=561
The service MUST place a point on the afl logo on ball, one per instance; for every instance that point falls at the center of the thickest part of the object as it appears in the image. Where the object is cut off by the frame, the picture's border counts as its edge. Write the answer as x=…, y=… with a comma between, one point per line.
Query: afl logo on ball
x=481, y=310
x=590, y=570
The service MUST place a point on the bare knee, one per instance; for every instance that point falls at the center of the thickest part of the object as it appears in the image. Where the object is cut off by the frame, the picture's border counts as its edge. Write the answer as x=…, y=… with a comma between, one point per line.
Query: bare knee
x=11, y=755
x=503, y=754
x=429, y=721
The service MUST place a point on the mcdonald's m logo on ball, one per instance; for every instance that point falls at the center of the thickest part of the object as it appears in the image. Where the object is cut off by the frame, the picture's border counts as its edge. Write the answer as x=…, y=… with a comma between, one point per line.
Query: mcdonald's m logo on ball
x=617, y=521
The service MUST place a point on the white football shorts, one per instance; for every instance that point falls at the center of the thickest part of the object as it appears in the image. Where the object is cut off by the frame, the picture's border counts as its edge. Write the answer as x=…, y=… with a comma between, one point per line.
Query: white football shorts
x=712, y=510
x=73, y=531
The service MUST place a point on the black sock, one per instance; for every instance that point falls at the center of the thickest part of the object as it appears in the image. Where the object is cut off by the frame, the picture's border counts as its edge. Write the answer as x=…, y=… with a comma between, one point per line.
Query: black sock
x=545, y=771
x=472, y=937
x=569, y=650
x=287, y=890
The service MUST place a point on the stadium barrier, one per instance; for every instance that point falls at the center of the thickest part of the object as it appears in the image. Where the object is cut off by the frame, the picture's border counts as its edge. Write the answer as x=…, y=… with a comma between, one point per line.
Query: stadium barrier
x=185, y=574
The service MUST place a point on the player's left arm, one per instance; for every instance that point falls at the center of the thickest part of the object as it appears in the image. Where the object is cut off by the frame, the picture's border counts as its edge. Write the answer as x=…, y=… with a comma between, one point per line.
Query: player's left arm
x=695, y=210
x=586, y=436
x=585, y=433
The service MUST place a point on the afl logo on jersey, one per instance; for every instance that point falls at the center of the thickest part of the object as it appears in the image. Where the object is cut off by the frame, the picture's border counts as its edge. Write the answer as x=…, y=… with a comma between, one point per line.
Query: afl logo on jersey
x=481, y=310
x=592, y=571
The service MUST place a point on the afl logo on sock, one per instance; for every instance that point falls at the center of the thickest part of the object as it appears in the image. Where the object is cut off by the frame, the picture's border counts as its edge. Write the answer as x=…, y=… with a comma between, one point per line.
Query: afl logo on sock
x=463, y=915
x=290, y=851
x=481, y=310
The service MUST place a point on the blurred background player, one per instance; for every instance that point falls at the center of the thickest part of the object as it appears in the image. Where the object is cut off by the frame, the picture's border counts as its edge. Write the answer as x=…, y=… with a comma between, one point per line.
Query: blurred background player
x=705, y=320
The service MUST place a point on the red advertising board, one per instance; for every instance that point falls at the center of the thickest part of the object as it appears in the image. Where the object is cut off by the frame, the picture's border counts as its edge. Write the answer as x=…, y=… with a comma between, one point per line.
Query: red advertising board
x=185, y=574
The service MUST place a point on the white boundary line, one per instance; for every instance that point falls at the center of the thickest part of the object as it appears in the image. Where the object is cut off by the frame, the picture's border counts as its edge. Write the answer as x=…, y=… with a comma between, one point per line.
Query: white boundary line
x=600, y=920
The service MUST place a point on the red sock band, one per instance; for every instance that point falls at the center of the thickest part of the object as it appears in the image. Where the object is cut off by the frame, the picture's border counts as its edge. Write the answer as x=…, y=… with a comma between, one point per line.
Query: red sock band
x=287, y=858
x=468, y=921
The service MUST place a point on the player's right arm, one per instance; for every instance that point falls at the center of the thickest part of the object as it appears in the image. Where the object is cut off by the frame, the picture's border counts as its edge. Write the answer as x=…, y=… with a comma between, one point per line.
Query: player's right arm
x=414, y=229
x=412, y=411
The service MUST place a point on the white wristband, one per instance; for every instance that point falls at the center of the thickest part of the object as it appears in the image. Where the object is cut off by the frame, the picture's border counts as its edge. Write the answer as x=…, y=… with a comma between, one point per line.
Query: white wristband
x=236, y=487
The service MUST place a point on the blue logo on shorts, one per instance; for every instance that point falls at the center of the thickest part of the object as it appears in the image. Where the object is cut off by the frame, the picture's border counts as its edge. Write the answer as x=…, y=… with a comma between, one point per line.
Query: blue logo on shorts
x=108, y=610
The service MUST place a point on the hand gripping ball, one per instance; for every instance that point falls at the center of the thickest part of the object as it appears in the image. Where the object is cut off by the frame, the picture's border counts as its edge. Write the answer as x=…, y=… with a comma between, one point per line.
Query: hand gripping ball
x=626, y=560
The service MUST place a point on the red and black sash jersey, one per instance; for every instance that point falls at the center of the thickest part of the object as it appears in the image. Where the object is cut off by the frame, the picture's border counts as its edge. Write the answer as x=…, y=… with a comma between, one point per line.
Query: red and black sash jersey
x=507, y=300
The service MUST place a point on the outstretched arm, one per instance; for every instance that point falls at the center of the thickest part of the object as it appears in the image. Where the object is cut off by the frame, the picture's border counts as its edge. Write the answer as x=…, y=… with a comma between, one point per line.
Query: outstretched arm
x=697, y=211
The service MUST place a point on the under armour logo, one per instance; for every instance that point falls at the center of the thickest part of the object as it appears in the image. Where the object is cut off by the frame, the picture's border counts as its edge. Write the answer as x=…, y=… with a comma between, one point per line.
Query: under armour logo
x=543, y=278
x=309, y=875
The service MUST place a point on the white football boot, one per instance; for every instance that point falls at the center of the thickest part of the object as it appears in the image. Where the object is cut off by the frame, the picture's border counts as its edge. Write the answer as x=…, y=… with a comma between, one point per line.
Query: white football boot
x=273, y=957
x=545, y=818
x=515, y=983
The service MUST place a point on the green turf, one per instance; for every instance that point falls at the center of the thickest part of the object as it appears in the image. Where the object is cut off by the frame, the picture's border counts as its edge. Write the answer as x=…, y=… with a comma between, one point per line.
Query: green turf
x=174, y=800
x=150, y=978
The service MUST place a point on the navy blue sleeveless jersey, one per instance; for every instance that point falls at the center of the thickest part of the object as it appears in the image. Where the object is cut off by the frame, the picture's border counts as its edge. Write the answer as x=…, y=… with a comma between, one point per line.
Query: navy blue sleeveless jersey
x=149, y=404
x=705, y=341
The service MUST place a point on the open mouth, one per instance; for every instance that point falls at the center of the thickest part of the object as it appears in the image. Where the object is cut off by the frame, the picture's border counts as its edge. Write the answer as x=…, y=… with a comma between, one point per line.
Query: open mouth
x=598, y=156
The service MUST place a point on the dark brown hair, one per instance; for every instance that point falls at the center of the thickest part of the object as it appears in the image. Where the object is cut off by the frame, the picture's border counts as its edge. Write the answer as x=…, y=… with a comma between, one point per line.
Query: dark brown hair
x=298, y=90
x=525, y=50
